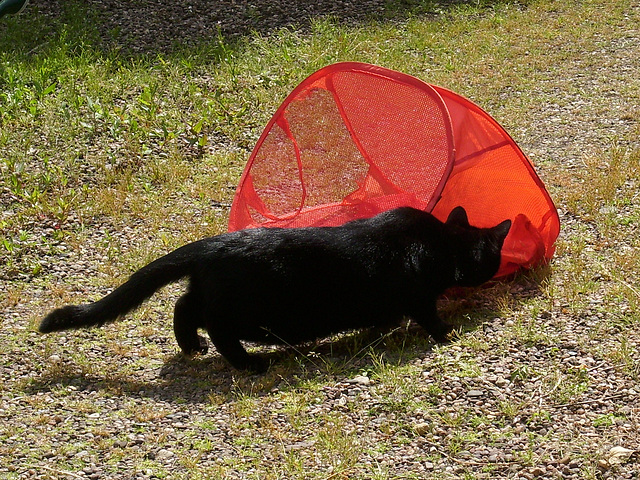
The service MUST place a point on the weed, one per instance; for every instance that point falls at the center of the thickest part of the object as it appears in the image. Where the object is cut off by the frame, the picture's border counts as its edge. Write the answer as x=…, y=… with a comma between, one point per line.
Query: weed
x=522, y=373
x=608, y=420
x=510, y=408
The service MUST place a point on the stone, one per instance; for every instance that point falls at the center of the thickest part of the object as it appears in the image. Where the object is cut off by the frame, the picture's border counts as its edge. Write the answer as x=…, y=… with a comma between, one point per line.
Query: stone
x=164, y=454
x=422, y=428
x=360, y=380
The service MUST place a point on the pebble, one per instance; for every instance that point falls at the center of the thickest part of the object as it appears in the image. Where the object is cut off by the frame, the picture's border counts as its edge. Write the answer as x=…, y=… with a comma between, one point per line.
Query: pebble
x=422, y=428
x=164, y=454
x=537, y=471
x=359, y=380
x=300, y=445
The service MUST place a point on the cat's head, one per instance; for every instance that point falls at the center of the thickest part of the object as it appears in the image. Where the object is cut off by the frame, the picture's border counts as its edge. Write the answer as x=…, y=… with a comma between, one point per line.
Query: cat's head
x=478, y=250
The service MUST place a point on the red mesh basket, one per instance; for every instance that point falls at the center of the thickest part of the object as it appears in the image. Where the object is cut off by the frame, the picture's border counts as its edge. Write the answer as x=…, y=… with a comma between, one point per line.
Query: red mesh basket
x=353, y=140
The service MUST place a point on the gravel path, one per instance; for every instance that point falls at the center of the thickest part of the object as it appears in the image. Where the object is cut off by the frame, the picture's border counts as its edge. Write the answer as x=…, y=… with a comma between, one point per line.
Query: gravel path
x=537, y=392
x=157, y=25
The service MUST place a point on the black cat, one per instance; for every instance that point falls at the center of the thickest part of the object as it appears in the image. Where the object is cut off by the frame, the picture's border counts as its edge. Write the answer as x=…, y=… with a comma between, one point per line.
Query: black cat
x=286, y=286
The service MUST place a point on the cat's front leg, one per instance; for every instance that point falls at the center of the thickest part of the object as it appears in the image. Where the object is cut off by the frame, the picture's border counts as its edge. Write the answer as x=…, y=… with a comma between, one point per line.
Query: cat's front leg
x=427, y=317
x=441, y=332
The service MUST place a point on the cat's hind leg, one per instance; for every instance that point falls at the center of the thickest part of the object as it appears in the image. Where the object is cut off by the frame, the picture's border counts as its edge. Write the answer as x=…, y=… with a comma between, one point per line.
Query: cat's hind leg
x=187, y=317
x=232, y=350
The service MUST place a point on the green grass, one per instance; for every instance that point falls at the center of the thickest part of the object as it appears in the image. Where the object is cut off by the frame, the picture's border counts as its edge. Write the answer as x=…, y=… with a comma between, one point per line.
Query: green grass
x=94, y=142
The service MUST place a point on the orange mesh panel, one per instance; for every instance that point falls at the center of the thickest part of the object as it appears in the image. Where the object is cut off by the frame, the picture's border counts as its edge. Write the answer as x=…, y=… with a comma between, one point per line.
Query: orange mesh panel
x=351, y=141
x=275, y=177
x=332, y=165
x=401, y=129
x=493, y=180
x=354, y=140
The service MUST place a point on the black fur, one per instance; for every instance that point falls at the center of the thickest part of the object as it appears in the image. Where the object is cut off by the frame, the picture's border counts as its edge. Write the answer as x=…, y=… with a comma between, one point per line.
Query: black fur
x=286, y=286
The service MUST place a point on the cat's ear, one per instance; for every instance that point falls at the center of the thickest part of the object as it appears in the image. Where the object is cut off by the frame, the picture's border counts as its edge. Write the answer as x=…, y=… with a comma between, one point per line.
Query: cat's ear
x=502, y=229
x=458, y=216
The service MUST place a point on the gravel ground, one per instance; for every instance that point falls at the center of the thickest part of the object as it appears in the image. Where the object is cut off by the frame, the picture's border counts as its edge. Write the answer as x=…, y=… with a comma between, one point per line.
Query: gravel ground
x=545, y=393
x=157, y=25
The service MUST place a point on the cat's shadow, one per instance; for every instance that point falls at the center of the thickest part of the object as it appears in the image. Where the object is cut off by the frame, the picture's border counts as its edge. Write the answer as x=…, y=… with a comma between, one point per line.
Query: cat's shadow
x=210, y=378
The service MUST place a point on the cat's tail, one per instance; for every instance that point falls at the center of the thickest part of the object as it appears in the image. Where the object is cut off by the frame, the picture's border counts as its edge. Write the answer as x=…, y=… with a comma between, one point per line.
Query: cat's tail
x=128, y=296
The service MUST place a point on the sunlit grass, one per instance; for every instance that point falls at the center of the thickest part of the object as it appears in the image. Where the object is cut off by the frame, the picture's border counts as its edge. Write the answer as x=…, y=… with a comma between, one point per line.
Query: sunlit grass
x=134, y=155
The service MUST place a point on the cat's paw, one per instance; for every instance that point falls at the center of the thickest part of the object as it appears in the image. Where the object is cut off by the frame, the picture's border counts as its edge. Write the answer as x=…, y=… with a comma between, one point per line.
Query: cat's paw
x=444, y=334
x=257, y=364
x=249, y=363
x=201, y=349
